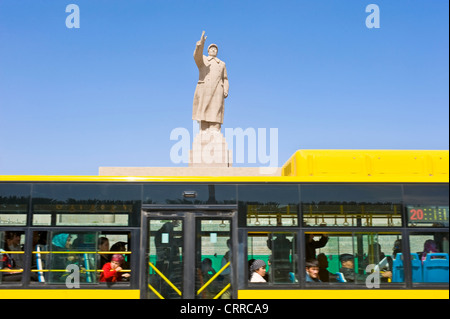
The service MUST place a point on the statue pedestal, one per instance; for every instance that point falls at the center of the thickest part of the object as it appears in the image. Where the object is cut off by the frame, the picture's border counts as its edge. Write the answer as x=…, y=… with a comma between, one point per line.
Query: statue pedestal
x=210, y=149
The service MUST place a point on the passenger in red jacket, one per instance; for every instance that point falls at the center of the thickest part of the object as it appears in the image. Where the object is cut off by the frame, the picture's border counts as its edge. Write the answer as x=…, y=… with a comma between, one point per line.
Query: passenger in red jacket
x=112, y=270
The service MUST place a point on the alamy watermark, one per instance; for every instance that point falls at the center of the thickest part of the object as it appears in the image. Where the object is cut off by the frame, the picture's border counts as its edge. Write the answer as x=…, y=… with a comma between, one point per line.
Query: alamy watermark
x=73, y=279
x=373, y=277
x=257, y=145
x=73, y=19
x=373, y=19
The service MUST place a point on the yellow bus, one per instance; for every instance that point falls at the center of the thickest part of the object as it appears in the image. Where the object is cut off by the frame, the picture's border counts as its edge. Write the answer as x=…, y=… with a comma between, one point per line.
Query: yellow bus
x=336, y=224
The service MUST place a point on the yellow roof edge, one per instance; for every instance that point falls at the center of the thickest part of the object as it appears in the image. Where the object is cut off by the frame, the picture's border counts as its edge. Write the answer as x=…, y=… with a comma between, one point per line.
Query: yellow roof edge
x=230, y=179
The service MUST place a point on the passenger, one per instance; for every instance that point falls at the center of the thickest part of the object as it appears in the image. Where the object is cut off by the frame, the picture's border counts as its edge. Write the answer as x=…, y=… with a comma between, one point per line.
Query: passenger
x=61, y=242
x=103, y=245
x=258, y=271
x=168, y=249
x=112, y=270
x=207, y=272
x=312, y=271
x=168, y=259
x=397, y=248
x=280, y=261
x=8, y=260
x=312, y=245
x=121, y=246
x=348, y=268
x=226, y=258
x=13, y=244
x=324, y=274
x=281, y=248
x=227, y=272
x=207, y=268
x=428, y=247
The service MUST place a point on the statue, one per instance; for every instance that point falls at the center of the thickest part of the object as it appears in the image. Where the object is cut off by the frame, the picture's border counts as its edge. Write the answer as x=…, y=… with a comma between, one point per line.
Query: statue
x=212, y=87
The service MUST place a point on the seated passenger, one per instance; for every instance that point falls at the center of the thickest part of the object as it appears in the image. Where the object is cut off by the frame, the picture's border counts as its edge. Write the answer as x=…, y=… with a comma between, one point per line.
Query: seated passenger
x=397, y=248
x=258, y=271
x=324, y=274
x=59, y=262
x=428, y=247
x=112, y=270
x=312, y=271
x=9, y=260
x=348, y=268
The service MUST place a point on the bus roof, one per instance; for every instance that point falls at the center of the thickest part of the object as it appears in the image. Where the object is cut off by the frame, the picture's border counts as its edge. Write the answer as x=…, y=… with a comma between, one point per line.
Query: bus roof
x=315, y=166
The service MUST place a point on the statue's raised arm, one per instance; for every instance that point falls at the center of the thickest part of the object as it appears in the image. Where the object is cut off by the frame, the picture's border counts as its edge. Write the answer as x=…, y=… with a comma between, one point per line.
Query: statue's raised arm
x=198, y=53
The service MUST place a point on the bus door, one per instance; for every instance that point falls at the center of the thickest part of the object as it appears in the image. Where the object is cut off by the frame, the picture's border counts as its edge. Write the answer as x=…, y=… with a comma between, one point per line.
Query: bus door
x=188, y=255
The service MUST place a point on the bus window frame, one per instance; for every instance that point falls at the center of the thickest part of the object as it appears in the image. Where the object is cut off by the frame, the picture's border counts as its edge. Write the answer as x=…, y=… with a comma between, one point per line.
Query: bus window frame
x=404, y=232
x=26, y=282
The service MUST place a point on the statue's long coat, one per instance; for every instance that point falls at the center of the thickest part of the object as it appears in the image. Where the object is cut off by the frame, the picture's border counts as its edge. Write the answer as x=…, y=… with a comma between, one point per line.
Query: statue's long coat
x=212, y=84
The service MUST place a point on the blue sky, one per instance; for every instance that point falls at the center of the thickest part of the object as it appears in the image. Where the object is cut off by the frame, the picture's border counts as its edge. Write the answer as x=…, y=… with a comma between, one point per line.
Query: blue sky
x=110, y=92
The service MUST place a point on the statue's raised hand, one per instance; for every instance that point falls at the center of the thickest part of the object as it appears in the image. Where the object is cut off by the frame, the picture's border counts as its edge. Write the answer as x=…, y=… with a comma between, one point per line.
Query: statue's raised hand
x=202, y=39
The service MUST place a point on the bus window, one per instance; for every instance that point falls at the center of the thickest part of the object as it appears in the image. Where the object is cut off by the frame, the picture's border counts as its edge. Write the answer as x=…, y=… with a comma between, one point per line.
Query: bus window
x=12, y=257
x=86, y=205
x=352, y=257
x=429, y=262
x=14, y=200
x=268, y=205
x=56, y=255
x=277, y=250
x=351, y=205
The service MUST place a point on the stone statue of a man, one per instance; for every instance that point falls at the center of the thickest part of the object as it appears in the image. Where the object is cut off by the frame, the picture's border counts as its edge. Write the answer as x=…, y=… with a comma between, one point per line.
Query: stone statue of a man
x=212, y=87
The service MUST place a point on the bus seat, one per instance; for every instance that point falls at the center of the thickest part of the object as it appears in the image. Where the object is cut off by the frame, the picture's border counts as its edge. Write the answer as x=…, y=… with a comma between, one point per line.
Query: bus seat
x=416, y=265
x=292, y=277
x=398, y=273
x=435, y=268
x=340, y=277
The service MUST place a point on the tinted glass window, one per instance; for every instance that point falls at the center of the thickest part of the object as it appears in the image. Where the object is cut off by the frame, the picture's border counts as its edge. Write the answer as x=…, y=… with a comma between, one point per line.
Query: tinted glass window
x=187, y=194
x=86, y=204
x=354, y=258
x=88, y=255
x=429, y=257
x=426, y=194
x=351, y=205
x=275, y=253
x=14, y=201
x=268, y=205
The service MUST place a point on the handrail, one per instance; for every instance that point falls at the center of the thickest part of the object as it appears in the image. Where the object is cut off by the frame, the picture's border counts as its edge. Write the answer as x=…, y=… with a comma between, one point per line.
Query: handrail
x=165, y=278
x=66, y=252
x=65, y=270
x=212, y=278
x=82, y=252
x=222, y=291
x=155, y=291
x=11, y=251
